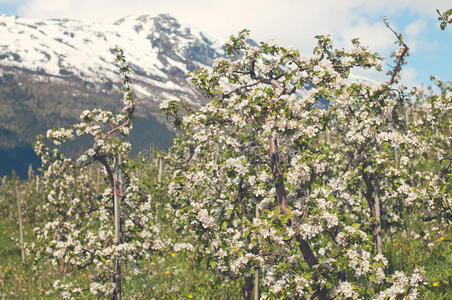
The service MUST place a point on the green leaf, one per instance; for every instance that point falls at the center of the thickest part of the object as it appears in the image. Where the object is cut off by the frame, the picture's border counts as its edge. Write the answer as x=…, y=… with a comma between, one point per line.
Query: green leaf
x=347, y=72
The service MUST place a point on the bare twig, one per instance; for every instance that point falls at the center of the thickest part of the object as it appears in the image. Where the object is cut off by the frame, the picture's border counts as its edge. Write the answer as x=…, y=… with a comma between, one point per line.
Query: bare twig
x=399, y=58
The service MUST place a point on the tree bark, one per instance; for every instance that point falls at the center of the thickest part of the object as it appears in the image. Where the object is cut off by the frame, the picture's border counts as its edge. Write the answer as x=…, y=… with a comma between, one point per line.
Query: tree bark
x=373, y=200
x=377, y=232
x=116, y=194
x=247, y=288
x=278, y=181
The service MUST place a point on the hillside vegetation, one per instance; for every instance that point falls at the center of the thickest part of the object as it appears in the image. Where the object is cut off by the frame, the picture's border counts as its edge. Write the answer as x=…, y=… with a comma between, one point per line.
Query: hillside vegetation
x=30, y=105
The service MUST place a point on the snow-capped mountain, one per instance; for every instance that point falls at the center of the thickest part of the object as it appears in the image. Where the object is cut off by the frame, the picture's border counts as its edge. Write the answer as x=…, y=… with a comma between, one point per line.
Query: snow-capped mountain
x=160, y=50
x=51, y=70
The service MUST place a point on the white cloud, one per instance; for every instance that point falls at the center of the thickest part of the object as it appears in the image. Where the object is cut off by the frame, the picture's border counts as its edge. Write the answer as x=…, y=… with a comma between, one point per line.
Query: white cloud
x=374, y=35
x=416, y=36
x=289, y=22
x=408, y=77
x=415, y=28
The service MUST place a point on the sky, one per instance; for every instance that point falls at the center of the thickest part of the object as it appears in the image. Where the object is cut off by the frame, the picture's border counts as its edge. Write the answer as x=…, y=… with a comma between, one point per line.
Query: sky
x=288, y=22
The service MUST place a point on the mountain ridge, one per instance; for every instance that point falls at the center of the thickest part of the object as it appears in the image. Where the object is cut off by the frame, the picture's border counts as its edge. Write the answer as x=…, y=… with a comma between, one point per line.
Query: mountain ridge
x=159, y=49
x=51, y=70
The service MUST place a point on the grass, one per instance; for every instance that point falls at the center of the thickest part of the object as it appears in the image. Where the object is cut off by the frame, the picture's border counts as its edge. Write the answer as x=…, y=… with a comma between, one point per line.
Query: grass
x=181, y=276
x=425, y=245
x=173, y=276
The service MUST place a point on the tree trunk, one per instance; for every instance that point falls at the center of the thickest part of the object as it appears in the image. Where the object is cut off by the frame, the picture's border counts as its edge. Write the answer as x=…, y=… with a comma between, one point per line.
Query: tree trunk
x=373, y=200
x=278, y=181
x=116, y=194
x=247, y=288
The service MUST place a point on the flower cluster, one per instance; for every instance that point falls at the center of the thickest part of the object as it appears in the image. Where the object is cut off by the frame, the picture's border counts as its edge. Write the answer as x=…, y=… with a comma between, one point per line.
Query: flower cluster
x=268, y=178
x=86, y=229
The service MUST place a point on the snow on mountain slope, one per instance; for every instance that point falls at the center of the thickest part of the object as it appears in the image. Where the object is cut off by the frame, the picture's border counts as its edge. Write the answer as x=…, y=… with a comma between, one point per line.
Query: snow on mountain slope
x=160, y=50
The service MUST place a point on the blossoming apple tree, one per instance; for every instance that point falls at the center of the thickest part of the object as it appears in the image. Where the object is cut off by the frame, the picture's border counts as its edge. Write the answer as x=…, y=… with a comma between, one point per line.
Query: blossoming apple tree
x=382, y=144
x=101, y=230
x=266, y=179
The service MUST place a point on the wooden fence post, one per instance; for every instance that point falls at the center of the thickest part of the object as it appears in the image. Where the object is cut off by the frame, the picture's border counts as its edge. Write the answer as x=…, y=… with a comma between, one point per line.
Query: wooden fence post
x=37, y=197
x=328, y=138
x=379, y=243
x=159, y=178
x=160, y=169
x=21, y=233
x=98, y=179
x=256, y=271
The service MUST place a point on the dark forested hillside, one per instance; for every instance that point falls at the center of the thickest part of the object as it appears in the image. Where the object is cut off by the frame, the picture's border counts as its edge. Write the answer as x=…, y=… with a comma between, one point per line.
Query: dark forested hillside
x=30, y=104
